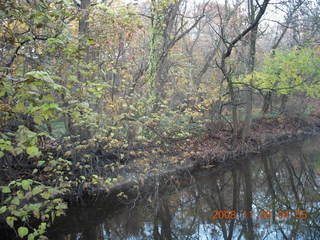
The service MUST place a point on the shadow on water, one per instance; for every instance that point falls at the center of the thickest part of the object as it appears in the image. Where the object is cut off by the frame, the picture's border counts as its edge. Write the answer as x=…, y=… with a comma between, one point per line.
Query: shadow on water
x=271, y=196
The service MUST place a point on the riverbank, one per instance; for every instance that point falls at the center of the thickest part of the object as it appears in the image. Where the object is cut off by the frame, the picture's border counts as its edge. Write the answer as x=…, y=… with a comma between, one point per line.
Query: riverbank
x=212, y=151
x=271, y=178
x=182, y=175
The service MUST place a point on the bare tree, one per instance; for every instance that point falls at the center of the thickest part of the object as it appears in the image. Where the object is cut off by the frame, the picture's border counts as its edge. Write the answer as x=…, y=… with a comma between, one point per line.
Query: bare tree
x=169, y=25
x=226, y=72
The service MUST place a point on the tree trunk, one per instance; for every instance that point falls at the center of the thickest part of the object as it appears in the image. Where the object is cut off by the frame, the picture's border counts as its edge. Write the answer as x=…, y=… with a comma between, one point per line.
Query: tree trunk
x=233, y=100
x=267, y=99
x=83, y=33
x=251, y=65
x=284, y=100
x=226, y=75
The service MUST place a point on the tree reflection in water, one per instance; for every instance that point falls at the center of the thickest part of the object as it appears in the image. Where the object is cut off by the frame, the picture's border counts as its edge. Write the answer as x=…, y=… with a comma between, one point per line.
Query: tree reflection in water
x=287, y=179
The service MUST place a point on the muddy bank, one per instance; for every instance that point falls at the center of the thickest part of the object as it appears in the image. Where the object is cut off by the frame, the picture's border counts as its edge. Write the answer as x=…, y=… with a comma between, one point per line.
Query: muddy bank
x=216, y=161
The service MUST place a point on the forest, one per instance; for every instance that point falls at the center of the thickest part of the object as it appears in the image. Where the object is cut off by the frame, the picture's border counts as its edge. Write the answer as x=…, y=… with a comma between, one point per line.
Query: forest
x=92, y=91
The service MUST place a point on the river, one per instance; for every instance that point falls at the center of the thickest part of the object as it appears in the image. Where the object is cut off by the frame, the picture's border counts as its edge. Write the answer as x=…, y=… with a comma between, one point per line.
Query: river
x=274, y=195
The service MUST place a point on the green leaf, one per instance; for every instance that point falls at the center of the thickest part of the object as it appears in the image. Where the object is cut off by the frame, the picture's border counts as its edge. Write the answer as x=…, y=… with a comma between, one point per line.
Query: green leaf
x=20, y=194
x=31, y=236
x=10, y=221
x=6, y=189
x=39, y=75
x=40, y=163
x=26, y=185
x=42, y=227
x=15, y=201
x=3, y=209
x=37, y=190
x=46, y=195
x=38, y=118
x=23, y=231
x=33, y=151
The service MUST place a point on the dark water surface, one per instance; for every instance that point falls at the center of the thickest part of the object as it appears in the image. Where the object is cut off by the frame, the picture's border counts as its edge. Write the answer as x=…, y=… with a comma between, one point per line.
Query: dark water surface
x=271, y=196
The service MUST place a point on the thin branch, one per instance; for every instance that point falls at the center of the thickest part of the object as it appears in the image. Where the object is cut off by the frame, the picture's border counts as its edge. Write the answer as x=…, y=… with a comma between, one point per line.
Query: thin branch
x=252, y=26
x=9, y=64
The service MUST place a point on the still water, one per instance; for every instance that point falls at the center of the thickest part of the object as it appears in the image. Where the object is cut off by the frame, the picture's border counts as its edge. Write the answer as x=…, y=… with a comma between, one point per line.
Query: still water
x=275, y=195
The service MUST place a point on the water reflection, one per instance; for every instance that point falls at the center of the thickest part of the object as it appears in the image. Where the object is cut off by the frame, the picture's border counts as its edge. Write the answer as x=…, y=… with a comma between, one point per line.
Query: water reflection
x=286, y=180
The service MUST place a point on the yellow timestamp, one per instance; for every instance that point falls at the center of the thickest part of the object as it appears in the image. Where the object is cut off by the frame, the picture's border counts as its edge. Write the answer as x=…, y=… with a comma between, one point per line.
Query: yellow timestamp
x=262, y=214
